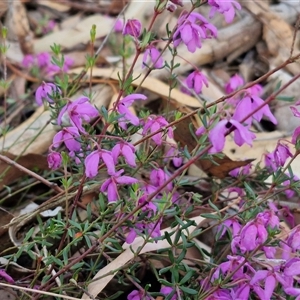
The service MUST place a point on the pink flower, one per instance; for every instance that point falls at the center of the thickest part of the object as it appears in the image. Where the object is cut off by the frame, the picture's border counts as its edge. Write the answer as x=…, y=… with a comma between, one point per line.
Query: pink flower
x=270, y=283
x=154, y=54
x=133, y=28
x=177, y=2
x=294, y=110
x=128, y=152
x=232, y=224
x=234, y=83
x=111, y=185
x=252, y=235
x=49, y=26
x=159, y=177
x=250, y=103
x=122, y=108
x=281, y=154
x=295, y=136
x=240, y=171
x=152, y=228
x=224, y=7
x=137, y=295
x=52, y=69
x=91, y=163
x=175, y=154
x=289, y=192
x=154, y=124
x=5, y=276
x=171, y=6
x=28, y=61
x=150, y=207
x=166, y=290
x=270, y=162
x=119, y=25
x=67, y=136
x=54, y=160
x=43, y=59
x=217, y=134
x=78, y=111
x=293, y=239
x=46, y=92
x=196, y=80
x=191, y=29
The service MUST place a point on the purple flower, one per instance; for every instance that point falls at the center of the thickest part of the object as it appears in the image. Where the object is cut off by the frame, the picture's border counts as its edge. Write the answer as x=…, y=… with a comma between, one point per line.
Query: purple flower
x=252, y=235
x=91, y=162
x=5, y=276
x=159, y=177
x=174, y=153
x=49, y=26
x=133, y=28
x=270, y=282
x=154, y=124
x=78, y=111
x=110, y=185
x=195, y=81
x=28, y=61
x=46, y=92
x=43, y=59
x=177, y=2
x=232, y=224
x=295, y=111
x=122, y=108
x=137, y=295
x=67, y=136
x=191, y=29
x=289, y=192
x=166, y=290
x=270, y=162
x=293, y=240
x=281, y=154
x=54, y=160
x=245, y=170
x=127, y=150
x=152, y=208
x=217, y=134
x=171, y=6
x=52, y=69
x=234, y=83
x=154, y=54
x=295, y=136
x=152, y=228
x=119, y=25
x=224, y=7
x=232, y=264
x=250, y=103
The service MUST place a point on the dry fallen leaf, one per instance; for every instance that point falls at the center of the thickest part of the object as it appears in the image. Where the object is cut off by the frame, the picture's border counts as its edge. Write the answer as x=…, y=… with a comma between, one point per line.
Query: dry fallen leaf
x=29, y=161
x=79, y=34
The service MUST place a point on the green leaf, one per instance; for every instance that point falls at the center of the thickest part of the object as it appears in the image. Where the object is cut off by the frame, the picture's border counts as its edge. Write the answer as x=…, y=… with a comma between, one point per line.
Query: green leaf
x=286, y=98
x=210, y=216
x=186, y=277
x=188, y=290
